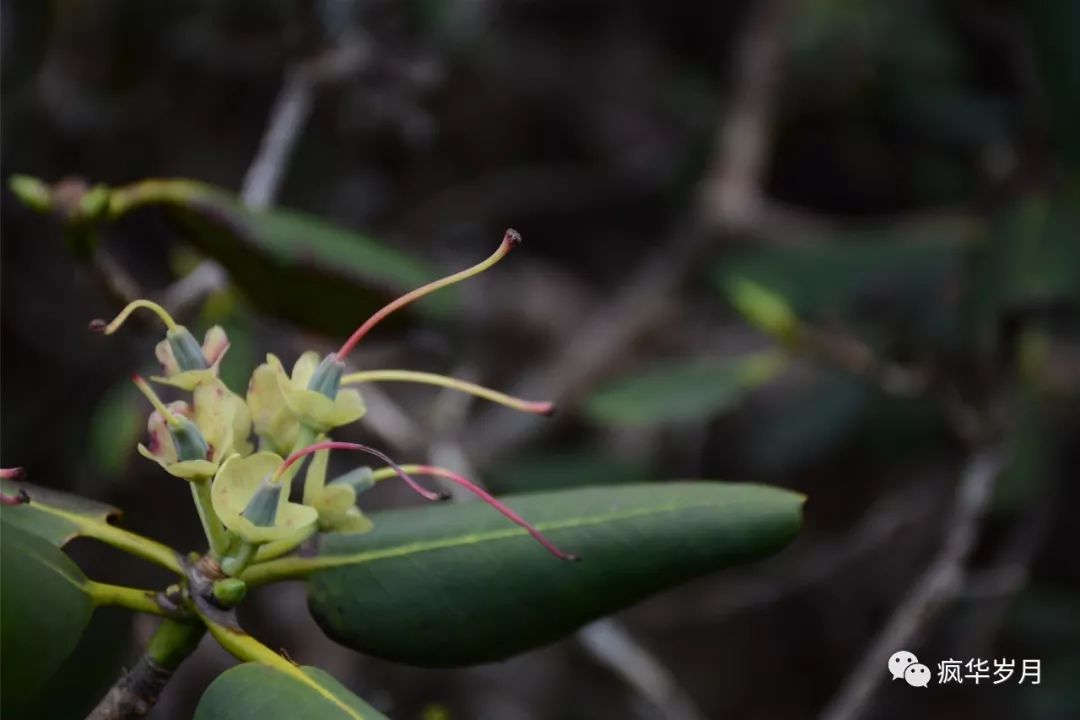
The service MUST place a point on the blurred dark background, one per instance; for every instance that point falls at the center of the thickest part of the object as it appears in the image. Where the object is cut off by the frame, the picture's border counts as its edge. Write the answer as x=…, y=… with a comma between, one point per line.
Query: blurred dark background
x=904, y=173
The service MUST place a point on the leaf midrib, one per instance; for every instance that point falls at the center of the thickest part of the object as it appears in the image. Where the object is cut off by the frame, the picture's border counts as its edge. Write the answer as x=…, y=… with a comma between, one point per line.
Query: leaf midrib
x=301, y=567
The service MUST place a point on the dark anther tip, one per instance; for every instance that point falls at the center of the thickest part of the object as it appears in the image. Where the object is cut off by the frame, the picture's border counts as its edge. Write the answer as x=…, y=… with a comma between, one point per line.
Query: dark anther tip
x=98, y=325
x=570, y=557
x=444, y=496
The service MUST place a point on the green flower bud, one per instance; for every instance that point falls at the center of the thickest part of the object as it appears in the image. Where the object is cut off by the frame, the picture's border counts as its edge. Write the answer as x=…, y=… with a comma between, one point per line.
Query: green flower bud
x=230, y=591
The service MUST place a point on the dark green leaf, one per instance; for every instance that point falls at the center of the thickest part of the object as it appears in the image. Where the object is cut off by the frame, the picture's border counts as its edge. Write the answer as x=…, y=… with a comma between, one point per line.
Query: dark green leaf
x=51, y=514
x=454, y=585
x=43, y=611
x=688, y=390
x=291, y=265
x=256, y=692
x=810, y=424
x=901, y=270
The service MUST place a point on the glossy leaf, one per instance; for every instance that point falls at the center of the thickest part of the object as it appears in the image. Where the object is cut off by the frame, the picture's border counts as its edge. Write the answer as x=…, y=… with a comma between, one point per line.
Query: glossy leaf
x=53, y=515
x=254, y=692
x=43, y=612
x=457, y=584
x=687, y=390
x=293, y=266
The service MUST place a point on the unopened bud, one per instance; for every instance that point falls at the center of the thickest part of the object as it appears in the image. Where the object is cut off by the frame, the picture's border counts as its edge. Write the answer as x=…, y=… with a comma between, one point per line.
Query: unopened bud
x=229, y=592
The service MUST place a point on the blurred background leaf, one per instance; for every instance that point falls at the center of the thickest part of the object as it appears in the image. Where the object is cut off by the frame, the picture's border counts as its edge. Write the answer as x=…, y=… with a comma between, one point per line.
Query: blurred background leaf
x=686, y=390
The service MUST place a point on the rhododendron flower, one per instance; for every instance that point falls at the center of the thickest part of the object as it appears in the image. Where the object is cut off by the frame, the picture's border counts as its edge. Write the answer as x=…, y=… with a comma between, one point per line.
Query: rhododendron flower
x=190, y=441
x=214, y=346
x=235, y=488
x=316, y=409
x=184, y=362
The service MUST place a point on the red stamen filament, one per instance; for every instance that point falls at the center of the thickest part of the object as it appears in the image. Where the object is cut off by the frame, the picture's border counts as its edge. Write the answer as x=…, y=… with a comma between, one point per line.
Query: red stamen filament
x=495, y=503
x=357, y=447
x=510, y=239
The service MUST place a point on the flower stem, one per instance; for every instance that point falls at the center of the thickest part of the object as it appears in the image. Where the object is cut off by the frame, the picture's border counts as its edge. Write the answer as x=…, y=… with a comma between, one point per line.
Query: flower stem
x=131, y=598
x=277, y=548
x=246, y=648
x=125, y=540
x=304, y=438
x=239, y=558
x=212, y=527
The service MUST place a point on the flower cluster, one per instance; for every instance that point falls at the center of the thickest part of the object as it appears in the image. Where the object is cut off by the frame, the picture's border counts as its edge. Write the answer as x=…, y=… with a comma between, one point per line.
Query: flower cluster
x=241, y=454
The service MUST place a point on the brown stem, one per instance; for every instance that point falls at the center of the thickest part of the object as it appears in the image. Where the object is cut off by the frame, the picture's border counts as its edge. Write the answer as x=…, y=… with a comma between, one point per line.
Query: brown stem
x=137, y=691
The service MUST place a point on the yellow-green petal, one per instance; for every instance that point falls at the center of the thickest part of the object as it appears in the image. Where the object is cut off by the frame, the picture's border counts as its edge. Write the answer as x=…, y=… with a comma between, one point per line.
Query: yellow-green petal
x=270, y=414
x=304, y=368
x=353, y=522
x=186, y=470
x=312, y=407
x=238, y=481
x=188, y=379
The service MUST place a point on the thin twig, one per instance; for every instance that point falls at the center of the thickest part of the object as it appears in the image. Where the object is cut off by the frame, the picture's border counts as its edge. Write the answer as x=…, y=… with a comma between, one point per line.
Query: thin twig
x=941, y=583
x=262, y=181
x=288, y=117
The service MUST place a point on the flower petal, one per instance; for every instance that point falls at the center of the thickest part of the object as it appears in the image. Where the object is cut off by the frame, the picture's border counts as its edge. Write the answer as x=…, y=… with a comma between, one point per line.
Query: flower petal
x=238, y=481
x=165, y=356
x=270, y=414
x=304, y=368
x=215, y=345
x=188, y=379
